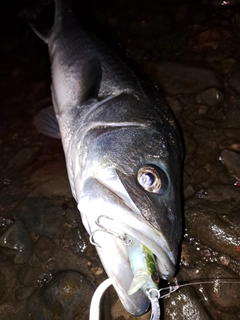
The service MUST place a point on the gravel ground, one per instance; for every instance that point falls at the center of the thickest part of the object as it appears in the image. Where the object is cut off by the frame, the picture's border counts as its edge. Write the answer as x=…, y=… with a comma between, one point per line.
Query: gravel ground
x=190, y=50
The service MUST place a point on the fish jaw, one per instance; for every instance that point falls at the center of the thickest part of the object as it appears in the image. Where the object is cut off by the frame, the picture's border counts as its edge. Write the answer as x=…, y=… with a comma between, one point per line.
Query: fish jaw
x=116, y=212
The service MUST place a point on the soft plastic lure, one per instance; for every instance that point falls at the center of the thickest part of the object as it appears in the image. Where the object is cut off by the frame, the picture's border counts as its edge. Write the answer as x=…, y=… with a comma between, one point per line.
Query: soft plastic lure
x=145, y=273
x=144, y=268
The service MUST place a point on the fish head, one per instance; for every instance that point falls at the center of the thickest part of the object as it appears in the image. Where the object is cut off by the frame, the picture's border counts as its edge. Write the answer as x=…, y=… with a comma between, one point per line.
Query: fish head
x=132, y=187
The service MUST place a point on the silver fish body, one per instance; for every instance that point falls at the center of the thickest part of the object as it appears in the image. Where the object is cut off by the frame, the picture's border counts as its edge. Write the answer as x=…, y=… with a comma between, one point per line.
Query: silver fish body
x=119, y=139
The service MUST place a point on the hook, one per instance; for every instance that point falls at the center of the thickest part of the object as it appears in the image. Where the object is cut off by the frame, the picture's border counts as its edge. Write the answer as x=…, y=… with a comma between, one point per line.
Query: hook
x=127, y=239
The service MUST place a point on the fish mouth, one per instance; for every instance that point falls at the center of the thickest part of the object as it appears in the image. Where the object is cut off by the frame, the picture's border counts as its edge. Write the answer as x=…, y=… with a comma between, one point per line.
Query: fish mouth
x=111, y=217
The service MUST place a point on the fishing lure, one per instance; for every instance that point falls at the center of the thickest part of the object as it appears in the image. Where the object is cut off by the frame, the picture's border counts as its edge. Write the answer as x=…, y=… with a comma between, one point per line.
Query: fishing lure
x=145, y=274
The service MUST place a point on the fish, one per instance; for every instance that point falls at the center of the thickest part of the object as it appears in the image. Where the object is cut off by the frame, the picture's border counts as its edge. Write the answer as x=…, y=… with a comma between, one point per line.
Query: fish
x=123, y=149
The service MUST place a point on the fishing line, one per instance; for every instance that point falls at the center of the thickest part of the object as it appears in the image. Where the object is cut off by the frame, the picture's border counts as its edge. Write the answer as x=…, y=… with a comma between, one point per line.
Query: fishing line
x=173, y=288
x=153, y=295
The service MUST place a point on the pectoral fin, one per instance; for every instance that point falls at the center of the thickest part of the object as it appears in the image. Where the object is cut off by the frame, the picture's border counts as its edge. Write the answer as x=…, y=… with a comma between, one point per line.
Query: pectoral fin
x=46, y=122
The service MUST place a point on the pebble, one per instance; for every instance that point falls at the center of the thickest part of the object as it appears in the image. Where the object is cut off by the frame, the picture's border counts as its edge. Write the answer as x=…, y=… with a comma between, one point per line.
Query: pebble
x=23, y=158
x=188, y=191
x=219, y=3
x=175, y=105
x=212, y=96
x=218, y=192
x=231, y=161
x=43, y=248
x=185, y=304
x=28, y=276
x=206, y=123
x=176, y=78
x=230, y=145
x=200, y=175
x=97, y=270
x=191, y=144
x=15, y=242
x=10, y=308
x=8, y=280
x=233, y=133
x=41, y=215
x=205, y=224
x=234, y=81
x=203, y=109
x=211, y=37
x=224, y=296
x=52, y=180
x=67, y=296
x=228, y=66
x=24, y=293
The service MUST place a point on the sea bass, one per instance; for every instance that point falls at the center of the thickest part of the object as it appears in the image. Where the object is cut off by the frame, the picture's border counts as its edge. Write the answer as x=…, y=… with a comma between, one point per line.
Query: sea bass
x=123, y=151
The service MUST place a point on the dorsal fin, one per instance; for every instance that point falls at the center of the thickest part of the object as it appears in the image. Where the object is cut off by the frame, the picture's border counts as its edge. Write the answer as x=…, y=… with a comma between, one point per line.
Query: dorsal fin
x=43, y=35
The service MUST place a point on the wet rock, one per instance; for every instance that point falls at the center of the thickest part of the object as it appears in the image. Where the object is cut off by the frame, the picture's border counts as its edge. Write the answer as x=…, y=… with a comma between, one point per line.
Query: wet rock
x=223, y=294
x=97, y=270
x=181, y=12
x=191, y=144
x=15, y=242
x=219, y=3
x=206, y=123
x=185, y=304
x=234, y=81
x=34, y=261
x=8, y=280
x=212, y=96
x=28, y=276
x=232, y=114
x=52, y=180
x=41, y=215
x=200, y=175
x=214, y=225
x=211, y=38
x=233, y=133
x=67, y=296
x=203, y=109
x=224, y=260
x=231, y=160
x=9, y=307
x=178, y=78
x=219, y=192
x=228, y=66
x=66, y=260
x=175, y=105
x=236, y=22
x=24, y=293
x=43, y=248
x=23, y=158
x=188, y=191
x=230, y=145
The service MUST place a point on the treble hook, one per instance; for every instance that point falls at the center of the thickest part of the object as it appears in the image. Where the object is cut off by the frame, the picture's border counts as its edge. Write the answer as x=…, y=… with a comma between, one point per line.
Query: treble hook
x=127, y=240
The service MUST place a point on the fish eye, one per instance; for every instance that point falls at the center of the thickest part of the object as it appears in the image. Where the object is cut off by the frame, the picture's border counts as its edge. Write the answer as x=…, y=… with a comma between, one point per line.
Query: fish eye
x=152, y=179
